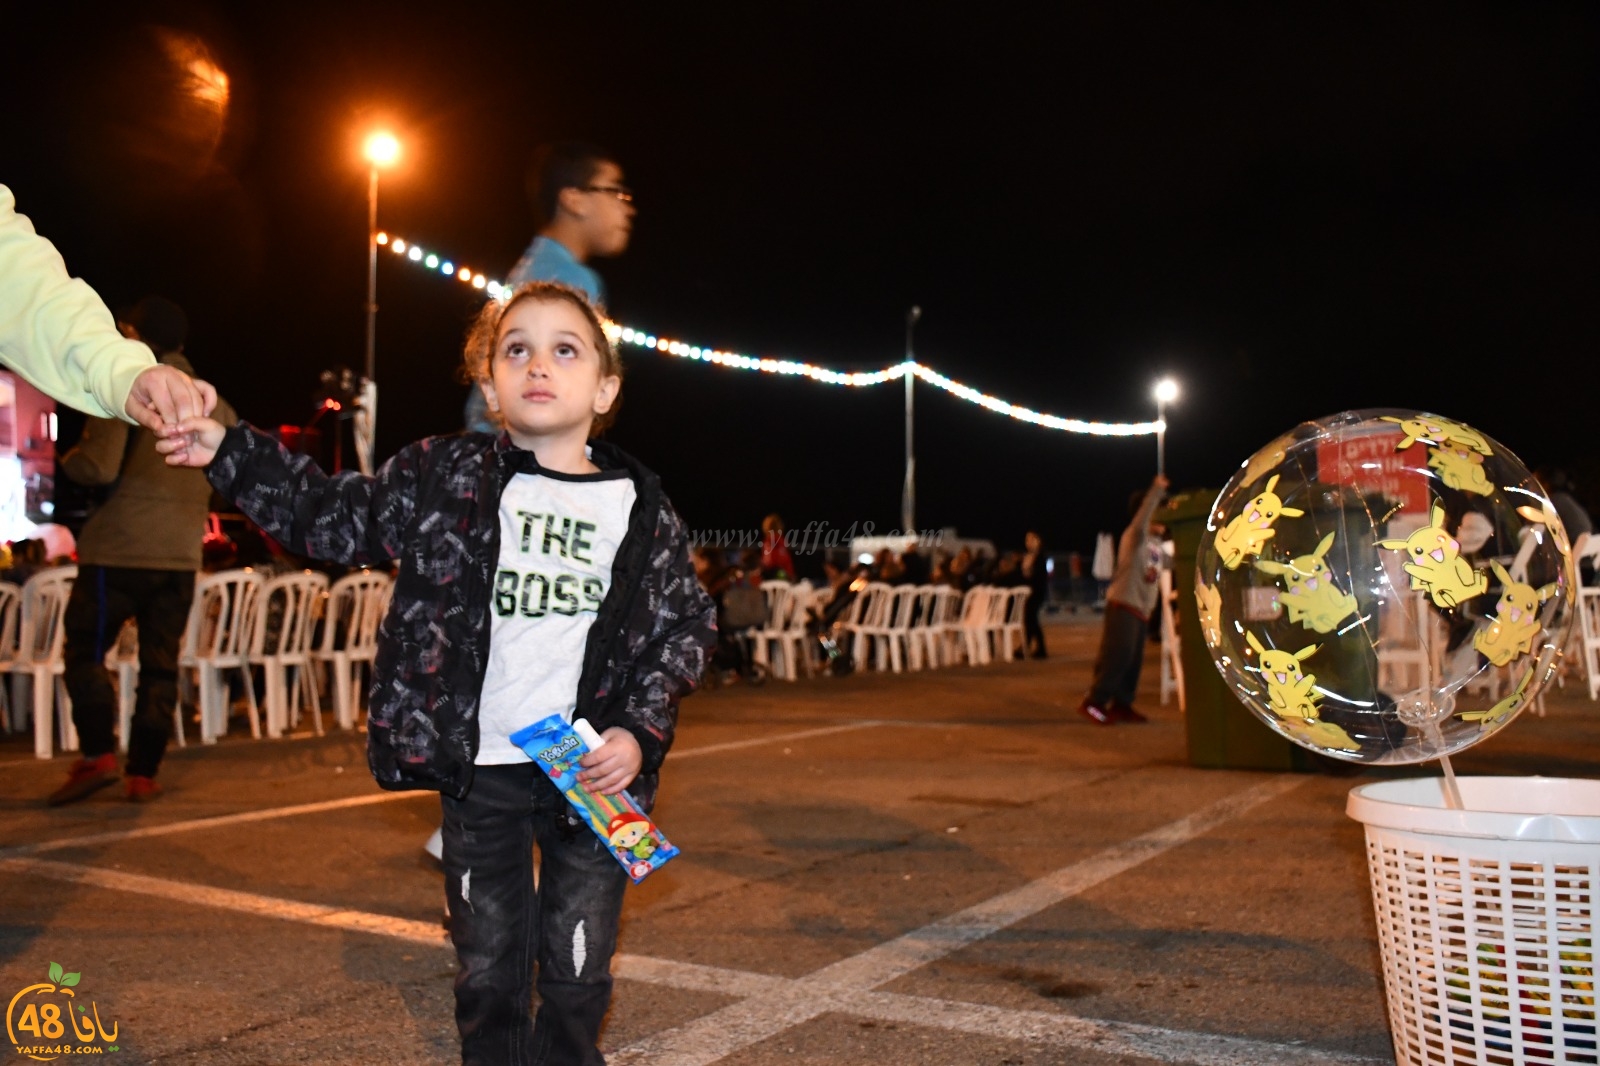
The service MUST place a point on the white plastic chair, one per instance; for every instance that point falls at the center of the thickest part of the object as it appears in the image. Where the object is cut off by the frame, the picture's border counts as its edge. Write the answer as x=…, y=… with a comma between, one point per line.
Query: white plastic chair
x=1588, y=547
x=785, y=631
x=287, y=646
x=890, y=629
x=866, y=621
x=217, y=639
x=1010, y=633
x=922, y=641
x=975, y=624
x=1409, y=646
x=11, y=718
x=355, y=605
x=1171, y=650
x=36, y=672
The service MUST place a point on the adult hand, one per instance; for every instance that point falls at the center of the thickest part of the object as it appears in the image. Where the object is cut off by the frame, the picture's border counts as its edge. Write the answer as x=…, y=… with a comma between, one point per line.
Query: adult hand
x=164, y=396
x=612, y=766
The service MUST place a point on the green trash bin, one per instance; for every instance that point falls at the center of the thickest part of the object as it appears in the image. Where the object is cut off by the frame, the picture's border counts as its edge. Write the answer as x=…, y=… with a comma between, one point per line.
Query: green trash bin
x=1222, y=733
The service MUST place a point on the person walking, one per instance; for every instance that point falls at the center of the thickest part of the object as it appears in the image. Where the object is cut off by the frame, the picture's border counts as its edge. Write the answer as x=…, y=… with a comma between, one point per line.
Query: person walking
x=137, y=558
x=585, y=212
x=1036, y=575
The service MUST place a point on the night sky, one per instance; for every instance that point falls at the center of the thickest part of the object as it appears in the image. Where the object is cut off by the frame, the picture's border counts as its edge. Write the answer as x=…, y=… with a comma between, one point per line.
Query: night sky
x=1293, y=210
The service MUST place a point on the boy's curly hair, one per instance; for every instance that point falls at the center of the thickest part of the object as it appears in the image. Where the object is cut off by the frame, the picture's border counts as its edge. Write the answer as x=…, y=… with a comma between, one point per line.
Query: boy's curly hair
x=483, y=335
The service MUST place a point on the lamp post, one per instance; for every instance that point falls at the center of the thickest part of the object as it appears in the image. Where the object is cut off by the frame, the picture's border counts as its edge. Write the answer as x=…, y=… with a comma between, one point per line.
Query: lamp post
x=908, y=492
x=1165, y=392
x=381, y=150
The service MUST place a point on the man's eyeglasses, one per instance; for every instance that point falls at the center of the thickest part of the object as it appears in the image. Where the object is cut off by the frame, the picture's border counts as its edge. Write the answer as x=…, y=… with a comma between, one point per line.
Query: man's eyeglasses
x=621, y=192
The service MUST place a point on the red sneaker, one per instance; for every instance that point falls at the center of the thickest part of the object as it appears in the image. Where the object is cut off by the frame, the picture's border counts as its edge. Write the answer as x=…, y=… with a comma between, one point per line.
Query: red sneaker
x=1097, y=715
x=1125, y=712
x=141, y=789
x=85, y=777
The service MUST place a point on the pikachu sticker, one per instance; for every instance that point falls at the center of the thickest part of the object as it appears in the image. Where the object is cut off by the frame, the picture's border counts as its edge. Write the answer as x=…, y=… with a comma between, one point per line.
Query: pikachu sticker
x=1501, y=712
x=1250, y=530
x=1310, y=596
x=1461, y=468
x=1208, y=599
x=1515, y=625
x=1433, y=559
x=1438, y=432
x=1291, y=696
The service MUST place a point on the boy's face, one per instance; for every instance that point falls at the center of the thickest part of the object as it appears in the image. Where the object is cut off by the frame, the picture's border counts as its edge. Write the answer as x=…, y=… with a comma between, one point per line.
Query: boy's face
x=544, y=374
x=607, y=219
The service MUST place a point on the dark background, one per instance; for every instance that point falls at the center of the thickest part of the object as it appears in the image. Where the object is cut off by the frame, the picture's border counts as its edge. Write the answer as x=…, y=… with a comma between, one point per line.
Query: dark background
x=1295, y=210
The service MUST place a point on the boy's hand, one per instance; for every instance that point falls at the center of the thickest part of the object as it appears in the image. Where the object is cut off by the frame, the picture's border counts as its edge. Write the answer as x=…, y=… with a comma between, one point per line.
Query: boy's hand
x=192, y=442
x=613, y=766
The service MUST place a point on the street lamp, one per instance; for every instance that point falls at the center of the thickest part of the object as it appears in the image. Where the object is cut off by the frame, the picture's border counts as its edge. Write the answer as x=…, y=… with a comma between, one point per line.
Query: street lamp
x=908, y=491
x=1165, y=392
x=381, y=150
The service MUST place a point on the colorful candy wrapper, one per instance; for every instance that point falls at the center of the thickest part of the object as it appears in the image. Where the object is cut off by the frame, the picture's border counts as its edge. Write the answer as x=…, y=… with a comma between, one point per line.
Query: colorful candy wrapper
x=635, y=840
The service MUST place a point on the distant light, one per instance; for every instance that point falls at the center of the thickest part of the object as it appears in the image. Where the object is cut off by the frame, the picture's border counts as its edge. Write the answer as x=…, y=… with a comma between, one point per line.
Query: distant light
x=864, y=557
x=1166, y=390
x=415, y=253
x=399, y=245
x=447, y=267
x=495, y=288
x=382, y=149
x=478, y=281
x=382, y=238
x=432, y=261
x=465, y=275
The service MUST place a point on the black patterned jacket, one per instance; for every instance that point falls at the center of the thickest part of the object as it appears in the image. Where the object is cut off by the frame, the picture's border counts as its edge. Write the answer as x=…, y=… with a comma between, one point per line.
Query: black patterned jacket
x=435, y=508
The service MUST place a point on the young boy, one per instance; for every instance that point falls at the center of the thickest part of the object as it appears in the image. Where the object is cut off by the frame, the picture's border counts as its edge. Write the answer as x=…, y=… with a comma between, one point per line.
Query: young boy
x=540, y=572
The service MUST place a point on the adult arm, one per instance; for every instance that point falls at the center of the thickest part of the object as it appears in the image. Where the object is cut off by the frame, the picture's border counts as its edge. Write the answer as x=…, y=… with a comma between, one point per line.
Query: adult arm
x=345, y=518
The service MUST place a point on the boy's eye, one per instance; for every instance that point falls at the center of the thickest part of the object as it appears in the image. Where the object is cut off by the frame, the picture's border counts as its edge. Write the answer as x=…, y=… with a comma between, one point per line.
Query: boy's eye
x=516, y=350
x=566, y=351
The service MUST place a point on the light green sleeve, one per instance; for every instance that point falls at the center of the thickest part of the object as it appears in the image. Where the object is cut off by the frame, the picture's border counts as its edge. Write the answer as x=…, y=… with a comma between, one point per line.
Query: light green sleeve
x=55, y=331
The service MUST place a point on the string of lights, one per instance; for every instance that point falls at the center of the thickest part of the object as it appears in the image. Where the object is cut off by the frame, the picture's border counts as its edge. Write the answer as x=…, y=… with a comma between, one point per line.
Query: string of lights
x=638, y=338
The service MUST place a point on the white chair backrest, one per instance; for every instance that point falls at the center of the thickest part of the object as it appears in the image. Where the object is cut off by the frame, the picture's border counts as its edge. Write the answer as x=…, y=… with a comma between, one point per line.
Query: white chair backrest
x=297, y=595
x=1587, y=547
x=927, y=604
x=10, y=612
x=223, y=614
x=998, y=599
x=901, y=606
x=975, y=606
x=356, y=604
x=1519, y=565
x=1017, y=606
x=778, y=595
x=946, y=606
x=44, y=601
x=875, y=612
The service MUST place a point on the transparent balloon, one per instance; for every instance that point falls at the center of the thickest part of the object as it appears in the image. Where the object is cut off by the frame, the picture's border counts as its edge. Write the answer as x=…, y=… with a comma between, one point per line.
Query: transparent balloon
x=1385, y=586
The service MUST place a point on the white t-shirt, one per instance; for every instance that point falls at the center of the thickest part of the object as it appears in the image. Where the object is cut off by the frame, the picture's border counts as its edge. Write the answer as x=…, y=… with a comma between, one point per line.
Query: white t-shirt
x=558, y=538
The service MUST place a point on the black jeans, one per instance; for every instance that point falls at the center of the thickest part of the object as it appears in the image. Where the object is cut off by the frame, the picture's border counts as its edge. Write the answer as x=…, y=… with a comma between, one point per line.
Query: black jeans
x=103, y=598
x=502, y=925
x=1121, y=657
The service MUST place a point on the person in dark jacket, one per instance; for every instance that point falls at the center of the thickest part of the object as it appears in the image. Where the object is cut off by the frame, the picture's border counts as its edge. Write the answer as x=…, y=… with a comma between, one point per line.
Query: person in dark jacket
x=540, y=572
x=1036, y=574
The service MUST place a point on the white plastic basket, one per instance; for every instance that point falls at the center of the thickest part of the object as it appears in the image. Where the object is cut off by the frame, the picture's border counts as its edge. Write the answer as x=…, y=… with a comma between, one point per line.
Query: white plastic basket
x=1486, y=917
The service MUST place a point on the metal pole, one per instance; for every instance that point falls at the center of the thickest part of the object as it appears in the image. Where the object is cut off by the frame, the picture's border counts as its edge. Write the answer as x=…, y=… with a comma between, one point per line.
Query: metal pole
x=372, y=274
x=908, y=493
x=1161, y=438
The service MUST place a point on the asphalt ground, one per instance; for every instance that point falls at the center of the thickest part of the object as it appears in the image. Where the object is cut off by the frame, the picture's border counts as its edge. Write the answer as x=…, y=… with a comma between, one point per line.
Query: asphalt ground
x=939, y=867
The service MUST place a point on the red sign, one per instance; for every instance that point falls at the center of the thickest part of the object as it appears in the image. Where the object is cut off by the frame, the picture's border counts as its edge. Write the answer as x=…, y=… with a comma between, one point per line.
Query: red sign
x=1370, y=462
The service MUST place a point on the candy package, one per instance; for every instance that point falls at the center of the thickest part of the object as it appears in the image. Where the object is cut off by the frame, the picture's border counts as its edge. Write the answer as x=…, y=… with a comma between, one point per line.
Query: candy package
x=635, y=840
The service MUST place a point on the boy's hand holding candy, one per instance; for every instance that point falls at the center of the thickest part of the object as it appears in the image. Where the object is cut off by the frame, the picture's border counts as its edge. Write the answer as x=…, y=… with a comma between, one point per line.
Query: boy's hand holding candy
x=192, y=442
x=612, y=767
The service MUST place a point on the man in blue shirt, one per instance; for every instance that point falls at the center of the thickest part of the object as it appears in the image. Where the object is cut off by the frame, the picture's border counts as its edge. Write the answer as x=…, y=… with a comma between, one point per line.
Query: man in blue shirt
x=585, y=211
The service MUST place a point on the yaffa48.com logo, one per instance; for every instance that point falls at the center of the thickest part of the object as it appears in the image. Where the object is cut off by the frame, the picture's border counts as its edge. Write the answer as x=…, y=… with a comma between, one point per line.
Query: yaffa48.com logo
x=46, y=1021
